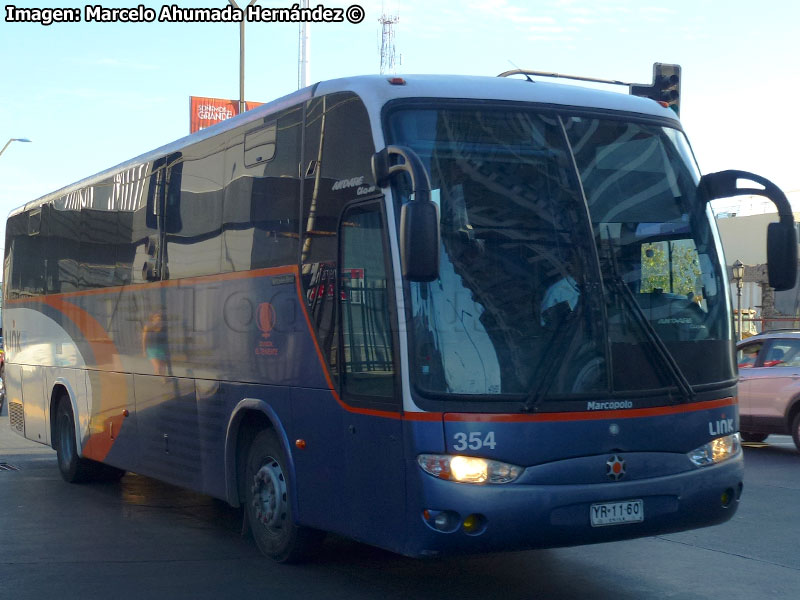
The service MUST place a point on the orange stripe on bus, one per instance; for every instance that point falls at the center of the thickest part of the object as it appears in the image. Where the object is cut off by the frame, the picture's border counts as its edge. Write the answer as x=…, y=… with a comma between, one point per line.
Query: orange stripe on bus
x=322, y=362
x=107, y=355
x=384, y=414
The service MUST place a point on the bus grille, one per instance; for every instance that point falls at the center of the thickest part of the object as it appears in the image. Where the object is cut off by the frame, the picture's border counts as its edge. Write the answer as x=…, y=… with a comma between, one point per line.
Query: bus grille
x=16, y=416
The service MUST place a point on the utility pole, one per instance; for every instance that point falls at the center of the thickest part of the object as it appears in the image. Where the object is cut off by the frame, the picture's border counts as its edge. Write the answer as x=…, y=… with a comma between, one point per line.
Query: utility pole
x=242, y=105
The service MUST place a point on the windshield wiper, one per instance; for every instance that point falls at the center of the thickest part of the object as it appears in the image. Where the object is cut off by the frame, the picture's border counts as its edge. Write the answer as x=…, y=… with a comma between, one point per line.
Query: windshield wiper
x=550, y=361
x=651, y=334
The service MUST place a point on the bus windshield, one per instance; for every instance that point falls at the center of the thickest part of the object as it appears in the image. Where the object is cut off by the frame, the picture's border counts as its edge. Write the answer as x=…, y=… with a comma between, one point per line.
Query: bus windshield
x=576, y=259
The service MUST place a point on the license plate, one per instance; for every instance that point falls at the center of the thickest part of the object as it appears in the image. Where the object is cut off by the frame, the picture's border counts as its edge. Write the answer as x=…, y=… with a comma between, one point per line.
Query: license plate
x=616, y=513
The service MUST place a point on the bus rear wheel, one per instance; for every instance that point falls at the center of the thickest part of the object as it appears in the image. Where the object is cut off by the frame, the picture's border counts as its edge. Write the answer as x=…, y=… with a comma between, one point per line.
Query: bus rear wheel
x=268, y=504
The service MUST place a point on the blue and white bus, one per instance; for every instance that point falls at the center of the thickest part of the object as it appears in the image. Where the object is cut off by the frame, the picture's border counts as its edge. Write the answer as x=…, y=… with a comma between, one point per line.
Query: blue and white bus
x=433, y=314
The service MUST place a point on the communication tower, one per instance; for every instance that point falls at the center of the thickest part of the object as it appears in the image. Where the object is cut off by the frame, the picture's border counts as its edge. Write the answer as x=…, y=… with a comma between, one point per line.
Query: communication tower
x=303, y=54
x=387, y=42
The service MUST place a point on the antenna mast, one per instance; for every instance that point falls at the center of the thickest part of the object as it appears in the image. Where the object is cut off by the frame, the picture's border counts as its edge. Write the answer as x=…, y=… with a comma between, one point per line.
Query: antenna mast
x=303, y=54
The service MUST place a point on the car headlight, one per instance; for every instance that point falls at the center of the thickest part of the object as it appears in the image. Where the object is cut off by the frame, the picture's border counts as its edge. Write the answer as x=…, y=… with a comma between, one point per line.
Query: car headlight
x=468, y=469
x=716, y=450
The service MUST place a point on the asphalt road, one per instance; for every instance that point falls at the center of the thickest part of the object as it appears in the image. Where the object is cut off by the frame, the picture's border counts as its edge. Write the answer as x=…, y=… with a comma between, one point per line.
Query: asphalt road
x=143, y=539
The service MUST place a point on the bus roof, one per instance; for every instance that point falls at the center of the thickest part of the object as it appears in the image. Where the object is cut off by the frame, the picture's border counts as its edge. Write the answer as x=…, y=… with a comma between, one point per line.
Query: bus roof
x=379, y=89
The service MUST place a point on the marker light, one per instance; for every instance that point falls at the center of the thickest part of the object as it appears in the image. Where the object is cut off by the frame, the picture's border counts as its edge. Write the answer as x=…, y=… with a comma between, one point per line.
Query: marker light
x=445, y=521
x=716, y=450
x=468, y=469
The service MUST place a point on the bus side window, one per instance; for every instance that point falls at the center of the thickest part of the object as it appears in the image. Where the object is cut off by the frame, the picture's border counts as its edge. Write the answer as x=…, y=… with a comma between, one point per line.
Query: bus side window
x=27, y=271
x=262, y=194
x=18, y=244
x=337, y=169
x=193, y=219
x=367, y=358
x=100, y=239
x=63, y=227
x=141, y=227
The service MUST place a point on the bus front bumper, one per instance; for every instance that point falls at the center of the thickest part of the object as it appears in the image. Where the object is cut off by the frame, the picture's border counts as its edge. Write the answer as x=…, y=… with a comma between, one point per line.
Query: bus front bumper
x=452, y=518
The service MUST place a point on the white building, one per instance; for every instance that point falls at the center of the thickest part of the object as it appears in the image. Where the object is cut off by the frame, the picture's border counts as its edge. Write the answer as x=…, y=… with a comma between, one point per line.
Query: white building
x=743, y=230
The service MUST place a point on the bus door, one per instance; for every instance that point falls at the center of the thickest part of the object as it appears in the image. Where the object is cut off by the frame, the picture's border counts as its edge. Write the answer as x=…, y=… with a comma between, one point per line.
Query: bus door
x=369, y=385
x=346, y=280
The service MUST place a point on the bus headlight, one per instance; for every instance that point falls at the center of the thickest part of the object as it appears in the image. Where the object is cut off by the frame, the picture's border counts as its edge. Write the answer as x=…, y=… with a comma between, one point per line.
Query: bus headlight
x=468, y=469
x=716, y=450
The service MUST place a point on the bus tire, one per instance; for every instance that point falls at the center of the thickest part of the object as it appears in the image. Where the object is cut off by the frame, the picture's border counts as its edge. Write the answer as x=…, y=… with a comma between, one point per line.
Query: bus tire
x=73, y=468
x=268, y=503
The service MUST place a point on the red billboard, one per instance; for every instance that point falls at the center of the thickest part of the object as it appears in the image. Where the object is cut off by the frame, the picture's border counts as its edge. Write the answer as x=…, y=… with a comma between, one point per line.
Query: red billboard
x=205, y=112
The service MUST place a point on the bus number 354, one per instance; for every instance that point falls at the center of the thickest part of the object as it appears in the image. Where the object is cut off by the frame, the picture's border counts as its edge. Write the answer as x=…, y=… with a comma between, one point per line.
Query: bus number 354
x=474, y=440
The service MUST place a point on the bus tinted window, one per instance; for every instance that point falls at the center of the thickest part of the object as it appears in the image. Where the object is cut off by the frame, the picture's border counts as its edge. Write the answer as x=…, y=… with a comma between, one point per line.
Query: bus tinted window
x=337, y=170
x=368, y=369
x=518, y=295
x=259, y=145
x=99, y=242
x=63, y=245
x=509, y=302
x=194, y=212
x=144, y=238
x=261, y=199
x=653, y=235
x=26, y=275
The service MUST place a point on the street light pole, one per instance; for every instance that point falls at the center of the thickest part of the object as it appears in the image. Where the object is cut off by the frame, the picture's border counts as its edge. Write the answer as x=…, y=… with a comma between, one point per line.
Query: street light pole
x=13, y=140
x=241, y=55
x=738, y=277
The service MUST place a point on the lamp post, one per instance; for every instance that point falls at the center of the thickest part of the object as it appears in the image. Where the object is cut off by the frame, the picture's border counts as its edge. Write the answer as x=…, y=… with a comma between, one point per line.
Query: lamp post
x=13, y=140
x=241, y=56
x=738, y=277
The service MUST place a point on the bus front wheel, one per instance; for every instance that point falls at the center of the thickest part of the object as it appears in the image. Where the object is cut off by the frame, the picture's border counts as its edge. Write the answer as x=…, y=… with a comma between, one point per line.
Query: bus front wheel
x=73, y=468
x=268, y=504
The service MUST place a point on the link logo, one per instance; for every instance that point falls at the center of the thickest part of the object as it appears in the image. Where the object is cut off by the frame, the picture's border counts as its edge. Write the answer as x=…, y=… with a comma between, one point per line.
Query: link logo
x=721, y=427
x=16, y=341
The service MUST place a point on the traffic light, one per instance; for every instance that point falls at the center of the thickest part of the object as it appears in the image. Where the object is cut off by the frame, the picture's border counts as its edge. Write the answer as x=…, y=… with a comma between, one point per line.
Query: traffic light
x=666, y=87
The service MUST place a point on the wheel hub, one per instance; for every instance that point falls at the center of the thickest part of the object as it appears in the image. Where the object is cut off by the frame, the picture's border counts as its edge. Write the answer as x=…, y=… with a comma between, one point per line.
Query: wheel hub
x=269, y=495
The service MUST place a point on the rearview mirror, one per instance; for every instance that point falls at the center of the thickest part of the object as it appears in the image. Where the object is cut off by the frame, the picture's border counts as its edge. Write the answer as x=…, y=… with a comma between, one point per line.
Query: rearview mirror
x=781, y=236
x=782, y=255
x=419, y=218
